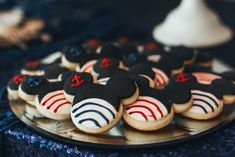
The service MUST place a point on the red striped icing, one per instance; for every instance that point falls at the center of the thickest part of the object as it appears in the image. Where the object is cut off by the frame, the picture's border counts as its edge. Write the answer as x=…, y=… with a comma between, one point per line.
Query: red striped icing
x=147, y=109
x=55, y=98
x=44, y=103
x=159, y=110
x=56, y=109
x=142, y=106
x=141, y=113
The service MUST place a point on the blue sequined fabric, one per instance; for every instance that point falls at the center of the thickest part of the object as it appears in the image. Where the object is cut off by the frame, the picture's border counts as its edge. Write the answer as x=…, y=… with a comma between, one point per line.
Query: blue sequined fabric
x=77, y=21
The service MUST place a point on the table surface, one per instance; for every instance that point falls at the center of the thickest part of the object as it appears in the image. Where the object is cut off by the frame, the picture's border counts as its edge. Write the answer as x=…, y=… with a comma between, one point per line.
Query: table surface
x=108, y=20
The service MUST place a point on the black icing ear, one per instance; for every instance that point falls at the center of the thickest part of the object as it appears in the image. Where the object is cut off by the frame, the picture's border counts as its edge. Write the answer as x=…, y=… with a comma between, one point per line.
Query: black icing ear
x=142, y=69
x=196, y=68
x=226, y=87
x=16, y=81
x=33, y=85
x=76, y=81
x=177, y=93
x=110, y=50
x=140, y=80
x=122, y=85
x=53, y=71
x=183, y=79
x=75, y=54
x=229, y=75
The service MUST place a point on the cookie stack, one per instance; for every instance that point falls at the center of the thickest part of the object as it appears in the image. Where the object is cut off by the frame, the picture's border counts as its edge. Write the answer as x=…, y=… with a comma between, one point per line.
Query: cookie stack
x=97, y=84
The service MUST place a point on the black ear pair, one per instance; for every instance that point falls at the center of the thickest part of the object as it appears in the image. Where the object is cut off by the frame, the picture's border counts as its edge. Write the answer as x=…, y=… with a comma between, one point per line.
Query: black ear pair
x=35, y=85
x=117, y=88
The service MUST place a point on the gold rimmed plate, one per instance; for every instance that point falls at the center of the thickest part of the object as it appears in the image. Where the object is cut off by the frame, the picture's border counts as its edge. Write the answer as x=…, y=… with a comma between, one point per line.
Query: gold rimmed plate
x=122, y=136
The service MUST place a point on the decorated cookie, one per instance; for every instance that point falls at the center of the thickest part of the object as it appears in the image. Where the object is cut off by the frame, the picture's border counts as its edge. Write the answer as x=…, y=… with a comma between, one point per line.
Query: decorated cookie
x=33, y=68
x=48, y=97
x=207, y=98
x=154, y=108
x=74, y=57
x=98, y=108
x=13, y=85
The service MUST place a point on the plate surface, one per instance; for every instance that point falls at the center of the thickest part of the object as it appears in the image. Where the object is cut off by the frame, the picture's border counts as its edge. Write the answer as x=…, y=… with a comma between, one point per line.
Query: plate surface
x=122, y=136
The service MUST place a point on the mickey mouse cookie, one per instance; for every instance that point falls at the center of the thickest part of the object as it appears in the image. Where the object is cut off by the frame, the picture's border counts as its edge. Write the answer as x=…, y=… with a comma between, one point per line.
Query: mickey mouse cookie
x=154, y=108
x=48, y=97
x=207, y=99
x=98, y=108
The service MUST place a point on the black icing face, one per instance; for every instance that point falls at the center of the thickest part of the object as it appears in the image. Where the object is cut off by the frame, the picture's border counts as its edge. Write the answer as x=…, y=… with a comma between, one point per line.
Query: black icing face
x=229, y=75
x=76, y=82
x=75, y=54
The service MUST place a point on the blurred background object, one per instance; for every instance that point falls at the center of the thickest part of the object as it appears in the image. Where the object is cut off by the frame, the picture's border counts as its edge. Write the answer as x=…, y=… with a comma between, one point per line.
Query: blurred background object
x=192, y=24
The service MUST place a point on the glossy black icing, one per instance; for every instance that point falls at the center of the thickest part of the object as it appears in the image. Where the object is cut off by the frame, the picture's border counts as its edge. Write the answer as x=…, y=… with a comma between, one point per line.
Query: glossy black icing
x=110, y=50
x=182, y=53
x=142, y=69
x=203, y=57
x=229, y=75
x=100, y=92
x=53, y=71
x=196, y=68
x=76, y=81
x=224, y=86
x=105, y=65
x=132, y=58
x=33, y=85
x=122, y=85
x=75, y=54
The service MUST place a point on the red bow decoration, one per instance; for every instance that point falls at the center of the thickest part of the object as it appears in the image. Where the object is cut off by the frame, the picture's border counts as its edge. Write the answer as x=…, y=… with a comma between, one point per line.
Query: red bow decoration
x=106, y=63
x=77, y=81
x=18, y=79
x=182, y=78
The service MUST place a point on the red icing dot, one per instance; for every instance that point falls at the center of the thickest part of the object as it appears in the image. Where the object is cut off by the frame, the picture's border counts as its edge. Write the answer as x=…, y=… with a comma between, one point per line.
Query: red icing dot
x=151, y=46
x=93, y=43
x=33, y=64
x=123, y=40
x=18, y=79
x=182, y=78
x=77, y=81
x=106, y=63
